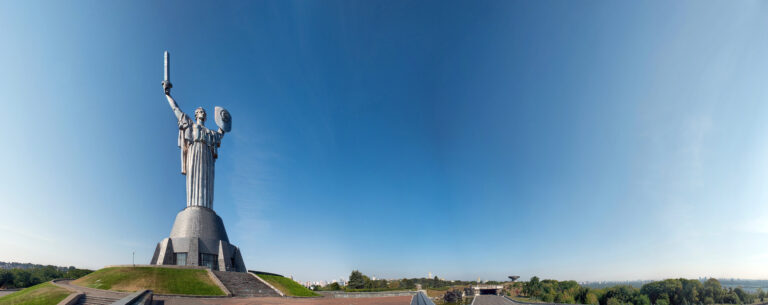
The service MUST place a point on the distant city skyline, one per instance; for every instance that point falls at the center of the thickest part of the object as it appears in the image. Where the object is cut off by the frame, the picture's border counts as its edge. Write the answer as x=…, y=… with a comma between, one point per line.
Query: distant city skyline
x=580, y=141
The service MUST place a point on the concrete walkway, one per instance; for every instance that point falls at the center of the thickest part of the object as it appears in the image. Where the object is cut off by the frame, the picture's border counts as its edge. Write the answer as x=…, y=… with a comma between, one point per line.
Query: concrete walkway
x=492, y=300
x=90, y=291
x=180, y=300
x=164, y=300
x=7, y=292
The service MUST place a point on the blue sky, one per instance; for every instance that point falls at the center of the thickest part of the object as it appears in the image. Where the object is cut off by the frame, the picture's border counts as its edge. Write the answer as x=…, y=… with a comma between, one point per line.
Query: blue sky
x=570, y=140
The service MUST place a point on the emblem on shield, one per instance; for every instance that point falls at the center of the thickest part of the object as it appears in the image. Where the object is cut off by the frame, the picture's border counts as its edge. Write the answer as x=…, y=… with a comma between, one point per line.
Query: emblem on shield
x=223, y=119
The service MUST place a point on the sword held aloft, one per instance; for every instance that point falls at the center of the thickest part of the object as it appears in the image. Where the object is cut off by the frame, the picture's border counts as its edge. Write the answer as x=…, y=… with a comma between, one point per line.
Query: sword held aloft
x=167, y=77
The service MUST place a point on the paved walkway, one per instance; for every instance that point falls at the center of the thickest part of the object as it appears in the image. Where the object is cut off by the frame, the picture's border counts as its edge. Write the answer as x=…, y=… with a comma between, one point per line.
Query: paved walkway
x=91, y=291
x=7, y=292
x=492, y=300
x=162, y=300
x=175, y=300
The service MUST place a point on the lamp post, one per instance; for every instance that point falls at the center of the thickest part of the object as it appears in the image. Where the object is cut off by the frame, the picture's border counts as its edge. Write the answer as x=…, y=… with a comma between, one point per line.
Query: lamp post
x=133, y=259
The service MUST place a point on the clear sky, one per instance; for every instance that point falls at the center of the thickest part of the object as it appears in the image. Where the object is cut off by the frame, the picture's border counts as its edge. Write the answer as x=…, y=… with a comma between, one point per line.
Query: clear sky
x=575, y=140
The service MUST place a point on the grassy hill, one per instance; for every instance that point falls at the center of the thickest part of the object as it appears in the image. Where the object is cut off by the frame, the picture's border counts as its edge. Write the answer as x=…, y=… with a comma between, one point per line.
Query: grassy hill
x=158, y=279
x=41, y=294
x=288, y=286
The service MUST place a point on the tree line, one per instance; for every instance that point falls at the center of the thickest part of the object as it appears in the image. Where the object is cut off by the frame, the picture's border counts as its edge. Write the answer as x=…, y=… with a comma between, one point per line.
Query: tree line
x=361, y=282
x=22, y=278
x=666, y=292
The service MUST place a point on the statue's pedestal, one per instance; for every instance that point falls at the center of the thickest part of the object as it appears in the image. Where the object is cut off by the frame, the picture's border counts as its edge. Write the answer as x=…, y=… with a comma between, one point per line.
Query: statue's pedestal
x=198, y=238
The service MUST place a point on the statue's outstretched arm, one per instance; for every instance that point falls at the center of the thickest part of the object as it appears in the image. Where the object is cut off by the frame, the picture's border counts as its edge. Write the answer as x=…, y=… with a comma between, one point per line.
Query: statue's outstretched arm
x=175, y=107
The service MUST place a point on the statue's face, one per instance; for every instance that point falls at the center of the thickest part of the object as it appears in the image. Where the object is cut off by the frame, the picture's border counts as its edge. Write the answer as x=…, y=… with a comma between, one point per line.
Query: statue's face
x=200, y=114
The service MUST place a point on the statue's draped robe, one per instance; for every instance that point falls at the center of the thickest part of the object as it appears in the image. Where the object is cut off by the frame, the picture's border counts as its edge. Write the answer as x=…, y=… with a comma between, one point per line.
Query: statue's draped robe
x=198, y=156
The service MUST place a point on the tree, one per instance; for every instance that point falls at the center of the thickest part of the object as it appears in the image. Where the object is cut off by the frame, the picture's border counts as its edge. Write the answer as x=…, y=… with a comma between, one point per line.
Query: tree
x=564, y=298
x=22, y=278
x=367, y=282
x=613, y=301
x=333, y=286
x=356, y=280
x=731, y=298
x=591, y=298
x=641, y=299
x=393, y=284
x=743, y=295
x=761, y=294
x=548, y=297
x=622, y=293
x=714, y=290
x=407, y=284
x=6, y=278
x=533, y=287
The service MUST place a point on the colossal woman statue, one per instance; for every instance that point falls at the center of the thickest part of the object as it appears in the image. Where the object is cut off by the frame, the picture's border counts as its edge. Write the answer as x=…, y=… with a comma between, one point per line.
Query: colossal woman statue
x=199, y=147
x=199, y=150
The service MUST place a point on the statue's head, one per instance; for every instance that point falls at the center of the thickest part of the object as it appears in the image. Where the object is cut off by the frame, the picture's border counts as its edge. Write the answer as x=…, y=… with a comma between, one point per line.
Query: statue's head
x=200, y=114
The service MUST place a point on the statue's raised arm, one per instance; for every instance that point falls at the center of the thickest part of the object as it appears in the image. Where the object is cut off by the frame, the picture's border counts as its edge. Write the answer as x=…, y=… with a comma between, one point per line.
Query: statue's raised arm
x=175, y=107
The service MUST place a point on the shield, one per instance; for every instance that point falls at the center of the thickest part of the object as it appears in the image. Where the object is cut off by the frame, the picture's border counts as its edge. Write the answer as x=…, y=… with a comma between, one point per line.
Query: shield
x=223, y=119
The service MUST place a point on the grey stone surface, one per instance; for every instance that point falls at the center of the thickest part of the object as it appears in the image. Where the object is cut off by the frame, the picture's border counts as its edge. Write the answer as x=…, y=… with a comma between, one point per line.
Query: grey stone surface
x=141, y=297
x=92, y=295
x=202, y=223
x=242, y=284
x=225, y=252
x=239, y=260
x=193, y=252
x=491, y=300
x=72, y=299
x=199, y=230
x=95, y=300
x=267, y=283
x=4, y=292
x=421, y=298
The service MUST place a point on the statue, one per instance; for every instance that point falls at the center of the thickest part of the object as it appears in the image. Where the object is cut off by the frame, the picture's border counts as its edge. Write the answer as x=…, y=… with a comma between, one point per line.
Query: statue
x=198, y=236
x=199, y=146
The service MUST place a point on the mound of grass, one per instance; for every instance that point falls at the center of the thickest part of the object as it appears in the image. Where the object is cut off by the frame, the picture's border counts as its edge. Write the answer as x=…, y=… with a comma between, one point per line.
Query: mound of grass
x=41, y=294
x=159, y=280
x=288, y=286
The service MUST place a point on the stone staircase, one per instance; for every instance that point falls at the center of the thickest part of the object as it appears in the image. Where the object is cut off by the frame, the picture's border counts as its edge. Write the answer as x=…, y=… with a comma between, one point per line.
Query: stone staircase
x=95, y=300
x=242, y=284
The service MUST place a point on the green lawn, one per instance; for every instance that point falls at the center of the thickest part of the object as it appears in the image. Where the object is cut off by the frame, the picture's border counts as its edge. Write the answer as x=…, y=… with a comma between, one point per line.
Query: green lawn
x=525, y=299
x=288, y=286
x=41, y=294
x=159, y=280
